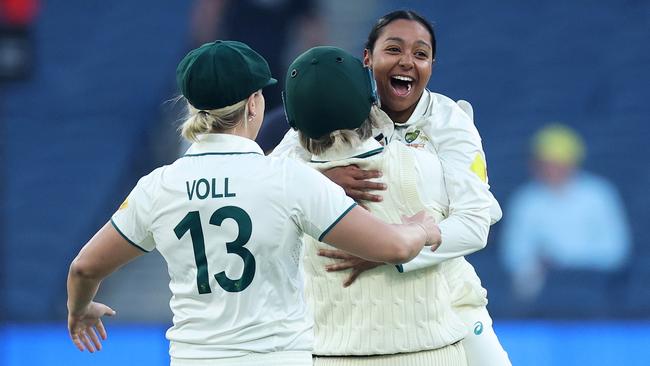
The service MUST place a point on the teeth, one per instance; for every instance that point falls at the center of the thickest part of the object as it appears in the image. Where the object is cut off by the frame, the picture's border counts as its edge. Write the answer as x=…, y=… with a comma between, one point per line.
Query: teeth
x=403, y=78
x=408, y=87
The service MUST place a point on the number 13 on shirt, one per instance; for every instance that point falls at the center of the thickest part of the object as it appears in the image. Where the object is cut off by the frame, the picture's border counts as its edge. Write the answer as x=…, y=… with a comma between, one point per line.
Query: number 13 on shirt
x=192, y=223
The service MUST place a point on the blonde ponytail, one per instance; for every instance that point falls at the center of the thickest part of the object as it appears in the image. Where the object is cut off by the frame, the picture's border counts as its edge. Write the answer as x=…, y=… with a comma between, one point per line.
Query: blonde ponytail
x=199, y=122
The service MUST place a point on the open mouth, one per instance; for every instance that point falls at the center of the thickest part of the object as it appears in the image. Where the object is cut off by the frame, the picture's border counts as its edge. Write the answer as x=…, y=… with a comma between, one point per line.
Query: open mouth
x=401, y=85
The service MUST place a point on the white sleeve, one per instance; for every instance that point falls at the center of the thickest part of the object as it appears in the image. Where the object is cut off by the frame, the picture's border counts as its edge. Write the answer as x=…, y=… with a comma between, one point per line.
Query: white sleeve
x=465, y=230
x=133, y=218
x=290, y=147
x=317, y=204
x=495, y=208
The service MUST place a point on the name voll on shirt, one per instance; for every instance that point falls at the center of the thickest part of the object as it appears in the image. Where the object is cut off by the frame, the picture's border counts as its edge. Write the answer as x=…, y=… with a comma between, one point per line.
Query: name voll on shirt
x=208, y=188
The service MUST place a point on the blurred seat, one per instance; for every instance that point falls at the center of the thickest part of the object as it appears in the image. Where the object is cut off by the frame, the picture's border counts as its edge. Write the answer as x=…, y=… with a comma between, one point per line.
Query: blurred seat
x=635, y=299
x=572, y=294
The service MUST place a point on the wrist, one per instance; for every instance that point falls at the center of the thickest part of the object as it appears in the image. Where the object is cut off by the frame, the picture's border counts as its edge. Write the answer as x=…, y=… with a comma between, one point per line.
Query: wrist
x=75, y=310
x=426, y=232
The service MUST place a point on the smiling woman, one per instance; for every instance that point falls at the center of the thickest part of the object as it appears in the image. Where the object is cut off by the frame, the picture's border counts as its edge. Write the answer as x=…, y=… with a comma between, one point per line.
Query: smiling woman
x=400, y=53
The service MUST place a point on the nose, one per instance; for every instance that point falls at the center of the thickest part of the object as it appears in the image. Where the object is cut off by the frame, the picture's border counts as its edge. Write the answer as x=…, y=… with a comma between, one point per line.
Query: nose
x=406, y=61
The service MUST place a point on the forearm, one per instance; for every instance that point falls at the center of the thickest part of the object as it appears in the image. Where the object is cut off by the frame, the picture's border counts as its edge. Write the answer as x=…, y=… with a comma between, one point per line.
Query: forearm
x=81, y=290
x=411, y=238
x=456, y=242
x=367, y=237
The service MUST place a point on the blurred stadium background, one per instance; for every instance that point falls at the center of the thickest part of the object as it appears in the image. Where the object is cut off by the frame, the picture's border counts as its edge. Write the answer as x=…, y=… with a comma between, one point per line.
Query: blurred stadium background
x=82, y=117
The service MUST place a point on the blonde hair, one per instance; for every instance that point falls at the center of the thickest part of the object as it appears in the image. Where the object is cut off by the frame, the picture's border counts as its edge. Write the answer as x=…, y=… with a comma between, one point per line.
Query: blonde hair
x=199, y=122
x=344, y=138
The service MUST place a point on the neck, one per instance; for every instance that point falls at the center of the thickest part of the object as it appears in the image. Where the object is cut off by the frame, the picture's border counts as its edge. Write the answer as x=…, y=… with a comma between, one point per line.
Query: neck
x=400, y=116
x=403, y=115
x=243, y=130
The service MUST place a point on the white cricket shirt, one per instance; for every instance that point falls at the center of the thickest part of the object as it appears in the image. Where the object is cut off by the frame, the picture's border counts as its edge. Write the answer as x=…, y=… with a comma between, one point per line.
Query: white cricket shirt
x=228, y=221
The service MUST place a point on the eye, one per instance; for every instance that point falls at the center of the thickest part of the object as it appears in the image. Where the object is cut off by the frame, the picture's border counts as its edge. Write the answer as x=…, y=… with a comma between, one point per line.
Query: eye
x=421, y=55
x=392, y=49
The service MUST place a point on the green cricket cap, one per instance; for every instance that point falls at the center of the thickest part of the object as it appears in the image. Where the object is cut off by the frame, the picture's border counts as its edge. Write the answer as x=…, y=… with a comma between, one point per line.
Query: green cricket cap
x=327, y=89
x=221, y=73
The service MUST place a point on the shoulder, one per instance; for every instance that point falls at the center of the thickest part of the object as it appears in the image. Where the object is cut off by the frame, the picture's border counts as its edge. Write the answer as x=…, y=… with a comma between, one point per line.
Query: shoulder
x=596, y=183
x=153, y=178
x=293, y=170
x=441, y=100
x=442, y=104
x=444, y=113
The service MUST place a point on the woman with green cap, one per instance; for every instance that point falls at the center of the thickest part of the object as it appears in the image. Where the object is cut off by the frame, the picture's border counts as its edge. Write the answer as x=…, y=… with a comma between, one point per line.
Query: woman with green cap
x=228, y=222
x=386, y=318
x=400, y=52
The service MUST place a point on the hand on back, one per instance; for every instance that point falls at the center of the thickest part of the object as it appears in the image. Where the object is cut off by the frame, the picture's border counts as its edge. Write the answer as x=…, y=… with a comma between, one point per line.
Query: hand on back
x=356, y=182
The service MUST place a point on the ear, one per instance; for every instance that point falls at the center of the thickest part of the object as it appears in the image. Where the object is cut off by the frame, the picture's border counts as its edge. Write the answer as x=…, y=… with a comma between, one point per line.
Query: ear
x=367, y=58
x=251, y=102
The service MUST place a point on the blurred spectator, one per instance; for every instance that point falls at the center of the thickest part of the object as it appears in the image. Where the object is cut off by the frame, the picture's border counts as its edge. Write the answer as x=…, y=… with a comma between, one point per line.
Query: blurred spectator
x=565, y=219
x=280, y=26
x=16, y=40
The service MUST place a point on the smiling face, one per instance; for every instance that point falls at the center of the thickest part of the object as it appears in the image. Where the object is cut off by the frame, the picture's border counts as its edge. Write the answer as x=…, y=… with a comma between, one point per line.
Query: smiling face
x=401, y=61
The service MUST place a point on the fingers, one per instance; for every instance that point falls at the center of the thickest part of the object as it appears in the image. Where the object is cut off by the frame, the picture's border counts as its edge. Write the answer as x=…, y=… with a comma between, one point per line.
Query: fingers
x=77, y=342
x=93, y=337
x=108, y=311
x=358, y=195
x=356, y=182
x=86, y=342
x=340, y=266
x=360, y=174
x=336, y=254
x=369, y=185
x=418, y=217
x=101, y=329
x=353, y=276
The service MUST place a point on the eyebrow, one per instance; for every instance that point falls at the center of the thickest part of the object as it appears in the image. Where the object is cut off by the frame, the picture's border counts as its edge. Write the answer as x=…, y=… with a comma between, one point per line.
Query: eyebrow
x=400, y=40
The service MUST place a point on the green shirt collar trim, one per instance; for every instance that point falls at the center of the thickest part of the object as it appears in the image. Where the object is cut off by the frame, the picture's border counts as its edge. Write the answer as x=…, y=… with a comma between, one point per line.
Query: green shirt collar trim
x=223, y=144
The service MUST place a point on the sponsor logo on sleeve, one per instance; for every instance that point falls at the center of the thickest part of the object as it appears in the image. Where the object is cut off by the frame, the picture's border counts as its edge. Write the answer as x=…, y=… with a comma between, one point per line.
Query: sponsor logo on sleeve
x=479, y=168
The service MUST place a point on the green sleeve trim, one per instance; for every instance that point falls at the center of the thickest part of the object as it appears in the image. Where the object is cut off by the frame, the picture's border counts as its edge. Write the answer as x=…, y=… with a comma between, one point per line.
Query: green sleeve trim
x=126, y=238
x=369, y=153
x=320, y=238
x=400, y=268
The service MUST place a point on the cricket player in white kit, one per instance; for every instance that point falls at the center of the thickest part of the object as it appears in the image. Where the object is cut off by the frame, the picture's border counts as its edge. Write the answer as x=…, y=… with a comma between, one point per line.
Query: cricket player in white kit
x=228, y=222
x=463, y=208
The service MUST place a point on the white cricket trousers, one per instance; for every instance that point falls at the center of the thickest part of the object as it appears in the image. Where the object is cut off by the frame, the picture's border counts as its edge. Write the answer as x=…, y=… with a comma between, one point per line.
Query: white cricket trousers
x=452, y=355
x=481, y=344
x=287, y=358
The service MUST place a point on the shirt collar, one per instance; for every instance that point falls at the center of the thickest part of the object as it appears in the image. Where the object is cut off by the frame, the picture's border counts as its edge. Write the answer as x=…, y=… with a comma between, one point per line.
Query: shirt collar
x=419, y=111
x=222, y=143
x=363, y=150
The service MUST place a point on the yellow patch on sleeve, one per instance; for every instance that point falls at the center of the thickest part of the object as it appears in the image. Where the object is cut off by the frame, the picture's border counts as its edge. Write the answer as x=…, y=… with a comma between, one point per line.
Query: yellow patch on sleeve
x=479, y=168
x=124, y=204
